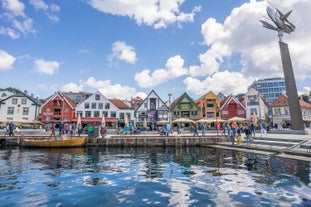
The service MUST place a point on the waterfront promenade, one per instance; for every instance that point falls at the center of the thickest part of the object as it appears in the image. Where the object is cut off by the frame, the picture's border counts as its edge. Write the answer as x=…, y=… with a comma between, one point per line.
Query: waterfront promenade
x=284, y=143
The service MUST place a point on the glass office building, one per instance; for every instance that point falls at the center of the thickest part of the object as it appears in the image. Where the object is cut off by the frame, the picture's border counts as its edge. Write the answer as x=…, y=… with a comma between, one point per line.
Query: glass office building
x=270, y=88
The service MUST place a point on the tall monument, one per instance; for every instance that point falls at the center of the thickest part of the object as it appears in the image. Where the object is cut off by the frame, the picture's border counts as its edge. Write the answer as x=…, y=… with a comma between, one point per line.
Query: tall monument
x=281, y=25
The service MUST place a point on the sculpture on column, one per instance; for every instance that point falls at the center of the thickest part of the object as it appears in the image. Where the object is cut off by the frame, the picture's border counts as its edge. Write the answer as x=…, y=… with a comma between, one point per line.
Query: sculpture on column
x=282, y=24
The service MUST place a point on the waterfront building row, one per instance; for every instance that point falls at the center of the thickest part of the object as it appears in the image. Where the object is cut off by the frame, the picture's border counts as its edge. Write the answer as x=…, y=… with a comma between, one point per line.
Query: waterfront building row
x=148, y=112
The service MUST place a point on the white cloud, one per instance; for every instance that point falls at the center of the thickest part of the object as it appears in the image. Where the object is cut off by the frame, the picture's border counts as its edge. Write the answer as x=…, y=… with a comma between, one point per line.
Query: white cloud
x=6, y=60
x=17, y=22
x=46, y=67
x=49, y=10
x=113, y=91
x=225, y=82
x=124, y=52
x=72, y=87
x=155, y=13
x=174, y=69
x=13, y=7
x=242, y=33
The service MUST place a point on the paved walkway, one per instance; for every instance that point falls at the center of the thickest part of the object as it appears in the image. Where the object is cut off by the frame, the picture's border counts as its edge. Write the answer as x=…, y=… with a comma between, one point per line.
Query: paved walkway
x=296, y=146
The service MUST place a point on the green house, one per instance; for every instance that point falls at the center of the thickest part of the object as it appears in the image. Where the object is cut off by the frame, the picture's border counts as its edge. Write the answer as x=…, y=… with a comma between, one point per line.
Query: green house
x=185, y=107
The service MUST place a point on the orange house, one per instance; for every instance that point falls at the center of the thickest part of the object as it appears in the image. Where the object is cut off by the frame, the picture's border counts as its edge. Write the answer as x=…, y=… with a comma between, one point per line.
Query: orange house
x=208, y=105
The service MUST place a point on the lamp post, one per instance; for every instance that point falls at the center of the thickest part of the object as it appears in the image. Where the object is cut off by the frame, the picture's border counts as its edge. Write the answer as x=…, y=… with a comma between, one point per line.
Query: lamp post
x=169, y=109
x=217, y=112
x=259, y=106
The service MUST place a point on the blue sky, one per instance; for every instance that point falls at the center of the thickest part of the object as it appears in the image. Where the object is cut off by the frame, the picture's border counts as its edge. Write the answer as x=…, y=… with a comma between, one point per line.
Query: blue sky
x=127, y=48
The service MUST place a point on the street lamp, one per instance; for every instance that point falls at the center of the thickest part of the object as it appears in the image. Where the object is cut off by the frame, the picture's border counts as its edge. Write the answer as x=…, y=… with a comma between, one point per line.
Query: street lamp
x=217, y=112
x=258, y=94
x=169, y=109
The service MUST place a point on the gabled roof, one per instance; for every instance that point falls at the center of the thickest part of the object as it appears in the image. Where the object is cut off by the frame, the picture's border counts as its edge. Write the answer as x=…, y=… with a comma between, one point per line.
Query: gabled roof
x=32, y=99
x=208, y=93
x=151, y=92
x=229, y=99
x=283, y=101
x=63, y=97
x=119, y=103
x=184, y=95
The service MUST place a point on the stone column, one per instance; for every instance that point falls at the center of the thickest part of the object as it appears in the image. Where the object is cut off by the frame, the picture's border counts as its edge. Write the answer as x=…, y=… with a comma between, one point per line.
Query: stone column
x=293, y=102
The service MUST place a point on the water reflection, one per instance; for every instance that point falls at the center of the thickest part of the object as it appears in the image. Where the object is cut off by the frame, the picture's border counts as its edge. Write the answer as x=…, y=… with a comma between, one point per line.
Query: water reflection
x=150, y=176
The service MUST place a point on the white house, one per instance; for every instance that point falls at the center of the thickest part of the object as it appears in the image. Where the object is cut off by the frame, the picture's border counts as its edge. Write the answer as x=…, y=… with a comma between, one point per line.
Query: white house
x=281, y=112
x=255, y=103
x=19, y=107
x=97, y=106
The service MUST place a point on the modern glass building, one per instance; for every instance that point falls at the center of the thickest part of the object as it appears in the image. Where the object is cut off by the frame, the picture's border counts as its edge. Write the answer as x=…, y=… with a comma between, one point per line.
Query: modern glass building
x=270, y=88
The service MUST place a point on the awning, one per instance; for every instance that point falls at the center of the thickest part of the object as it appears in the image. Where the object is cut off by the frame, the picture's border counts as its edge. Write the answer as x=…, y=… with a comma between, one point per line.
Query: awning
x=99, y=120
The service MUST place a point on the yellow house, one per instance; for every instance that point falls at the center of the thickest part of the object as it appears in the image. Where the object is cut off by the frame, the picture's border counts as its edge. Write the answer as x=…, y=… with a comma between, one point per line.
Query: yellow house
x=208, y=104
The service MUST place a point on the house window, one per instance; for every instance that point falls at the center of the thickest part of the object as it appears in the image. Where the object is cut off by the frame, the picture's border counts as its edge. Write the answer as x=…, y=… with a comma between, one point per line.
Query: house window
x=96, y=114
x=113, y=114
x=121, y=116
x=88, y=114
x=25, y=110
x=240, y=112
x=66, y=110
x=47, y=118
x=107, y=105
x=128, y=116
x=184, y=106
x=100, y=105
x=277, y=111
x=79, y=112
x=97, y=97
x=24, y=101
x=93, y=105
x=105, y=114
x=10, y=110
x=14, y=100
x=286, y=108
x=153, y=104
x=86, y=105
x=48, y=110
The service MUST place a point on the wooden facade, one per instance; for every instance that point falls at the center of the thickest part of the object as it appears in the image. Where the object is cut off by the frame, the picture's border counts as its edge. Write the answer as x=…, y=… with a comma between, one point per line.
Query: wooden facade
x=58, y=108
x=208, y=105
x=231, y=107
x=185, y=107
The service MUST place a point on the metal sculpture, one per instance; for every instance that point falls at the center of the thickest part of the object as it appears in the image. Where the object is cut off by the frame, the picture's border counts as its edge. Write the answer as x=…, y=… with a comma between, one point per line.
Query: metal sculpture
x=281, y=24
x=280, y=20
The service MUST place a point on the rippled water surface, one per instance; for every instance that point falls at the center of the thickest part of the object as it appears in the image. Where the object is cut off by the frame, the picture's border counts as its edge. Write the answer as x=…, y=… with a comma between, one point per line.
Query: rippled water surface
x=150, y=177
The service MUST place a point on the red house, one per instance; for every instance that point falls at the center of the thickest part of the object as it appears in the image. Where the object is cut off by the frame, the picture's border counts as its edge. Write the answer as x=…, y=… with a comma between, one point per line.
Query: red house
x=58, y=108
x=231, y=107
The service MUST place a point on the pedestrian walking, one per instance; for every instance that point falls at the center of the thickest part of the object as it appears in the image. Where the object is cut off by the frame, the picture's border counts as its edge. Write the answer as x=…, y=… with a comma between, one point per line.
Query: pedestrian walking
x=248, y=134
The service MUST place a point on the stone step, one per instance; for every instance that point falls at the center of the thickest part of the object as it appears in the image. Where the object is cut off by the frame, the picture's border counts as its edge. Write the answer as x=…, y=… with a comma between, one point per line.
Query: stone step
x=278, y=139
x=274, y=143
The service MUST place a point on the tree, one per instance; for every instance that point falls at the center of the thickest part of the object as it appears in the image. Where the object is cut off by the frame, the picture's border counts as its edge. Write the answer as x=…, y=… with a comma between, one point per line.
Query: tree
x=13, y=90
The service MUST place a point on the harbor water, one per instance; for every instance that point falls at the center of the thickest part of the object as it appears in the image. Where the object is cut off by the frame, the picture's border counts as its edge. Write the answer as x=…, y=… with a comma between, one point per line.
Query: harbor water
x=196, y=176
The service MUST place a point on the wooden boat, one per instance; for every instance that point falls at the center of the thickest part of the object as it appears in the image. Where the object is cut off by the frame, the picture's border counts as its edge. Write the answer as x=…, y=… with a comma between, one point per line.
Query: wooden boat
x=54, y=142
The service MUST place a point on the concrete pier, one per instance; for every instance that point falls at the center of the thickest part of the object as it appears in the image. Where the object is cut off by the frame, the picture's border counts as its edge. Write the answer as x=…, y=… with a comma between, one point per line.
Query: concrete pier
x=173, y=140
x=138, y=140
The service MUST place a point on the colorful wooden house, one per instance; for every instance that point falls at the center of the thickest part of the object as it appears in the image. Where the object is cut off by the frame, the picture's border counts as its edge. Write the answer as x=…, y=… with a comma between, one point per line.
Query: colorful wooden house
x=58, y=108
x=185, y=107
x=209, y=105
x=232, y=107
